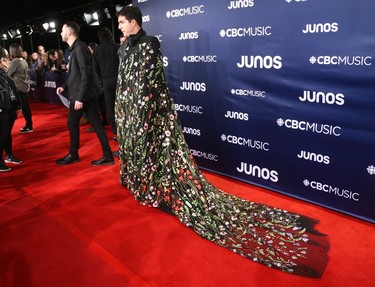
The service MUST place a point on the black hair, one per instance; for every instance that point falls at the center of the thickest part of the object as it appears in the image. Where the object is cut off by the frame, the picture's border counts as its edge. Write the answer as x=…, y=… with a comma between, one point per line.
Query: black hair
x=131, y=13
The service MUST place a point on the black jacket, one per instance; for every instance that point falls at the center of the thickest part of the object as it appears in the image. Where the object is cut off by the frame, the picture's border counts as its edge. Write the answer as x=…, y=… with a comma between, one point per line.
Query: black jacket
x=9, y=97
x=106, y=60
x=82, y=82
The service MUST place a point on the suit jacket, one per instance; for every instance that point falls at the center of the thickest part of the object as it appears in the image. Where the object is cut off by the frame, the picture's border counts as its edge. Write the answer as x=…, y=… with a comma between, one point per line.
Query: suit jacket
x=82, y=82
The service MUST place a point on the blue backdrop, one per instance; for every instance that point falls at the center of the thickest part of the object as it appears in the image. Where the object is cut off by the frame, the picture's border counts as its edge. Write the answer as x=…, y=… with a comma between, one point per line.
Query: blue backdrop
x=276, y=93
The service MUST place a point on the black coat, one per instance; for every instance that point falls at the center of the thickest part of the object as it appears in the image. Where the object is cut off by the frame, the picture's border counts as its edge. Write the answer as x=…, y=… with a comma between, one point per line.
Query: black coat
x=7, y=89
x=82, y=82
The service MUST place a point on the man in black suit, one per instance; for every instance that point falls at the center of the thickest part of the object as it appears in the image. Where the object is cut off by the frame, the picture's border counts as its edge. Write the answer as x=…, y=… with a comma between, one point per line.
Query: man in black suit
x=83, y=87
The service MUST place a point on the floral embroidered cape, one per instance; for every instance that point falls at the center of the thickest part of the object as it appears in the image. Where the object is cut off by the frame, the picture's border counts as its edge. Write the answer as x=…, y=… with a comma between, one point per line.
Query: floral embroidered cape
x=157, y=167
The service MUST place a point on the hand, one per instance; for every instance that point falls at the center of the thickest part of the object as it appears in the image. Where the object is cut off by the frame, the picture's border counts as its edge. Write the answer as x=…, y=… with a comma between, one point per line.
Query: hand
x=78, y=105
x=59, y=91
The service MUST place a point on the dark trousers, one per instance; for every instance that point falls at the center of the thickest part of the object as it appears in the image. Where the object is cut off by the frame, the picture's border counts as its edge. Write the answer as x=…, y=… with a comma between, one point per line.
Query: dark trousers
x=89, y=108
x=109, y=91
x=26, y=110
x=7, y=118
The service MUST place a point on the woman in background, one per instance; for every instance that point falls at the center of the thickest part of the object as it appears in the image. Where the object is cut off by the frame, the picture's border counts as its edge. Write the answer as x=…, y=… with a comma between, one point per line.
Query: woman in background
x=18, y=71
x=9, y=104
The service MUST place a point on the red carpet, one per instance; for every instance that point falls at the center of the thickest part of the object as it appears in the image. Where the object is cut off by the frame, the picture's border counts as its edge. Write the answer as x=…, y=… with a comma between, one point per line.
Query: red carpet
x=75, y=226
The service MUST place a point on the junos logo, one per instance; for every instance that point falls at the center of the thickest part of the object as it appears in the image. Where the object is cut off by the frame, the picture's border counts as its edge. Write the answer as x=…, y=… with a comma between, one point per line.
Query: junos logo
x=188, y=11
x=193, y=86
x=146, y=18
x=165, y=61
x=340, y=192
x=260, y=62
x=255, y=144
x=141, y=1
x=257, y=171
x=313, y=157
x=310, y=127
x=189, y=109
x=321, y=28
x=237, y=115
x=248, y=93
x=239, y=4
x=342, y=60
x=50, y=84
x=192, y=131
x=246, y=32
x=188, y=36
x=298, y=1
x=323, y=98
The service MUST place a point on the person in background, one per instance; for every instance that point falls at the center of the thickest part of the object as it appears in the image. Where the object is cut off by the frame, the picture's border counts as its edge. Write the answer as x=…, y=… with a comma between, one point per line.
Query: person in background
x=25, y=55
x=19, y=72
x=157, y=167
x=82, y=85
x=41, y=60
x=9, y=104
x=106, y=64
x=33, y=61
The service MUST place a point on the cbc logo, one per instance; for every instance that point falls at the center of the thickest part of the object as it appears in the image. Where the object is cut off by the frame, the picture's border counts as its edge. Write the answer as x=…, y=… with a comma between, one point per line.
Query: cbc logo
x=344, y=193
x=342, y=60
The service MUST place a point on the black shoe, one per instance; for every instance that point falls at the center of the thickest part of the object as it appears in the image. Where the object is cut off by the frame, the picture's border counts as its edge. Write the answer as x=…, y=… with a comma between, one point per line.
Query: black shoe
x=68, y=159
x=104, y=161
x=90, y=130
x=12, y=159
x=25, y=130
x=4, y=168
x=115, y=153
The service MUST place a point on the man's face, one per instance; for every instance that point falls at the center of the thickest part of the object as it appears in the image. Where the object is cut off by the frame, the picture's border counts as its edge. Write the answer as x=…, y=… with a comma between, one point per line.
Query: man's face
x=64, y=33
x=40, y=50
x=125, y=26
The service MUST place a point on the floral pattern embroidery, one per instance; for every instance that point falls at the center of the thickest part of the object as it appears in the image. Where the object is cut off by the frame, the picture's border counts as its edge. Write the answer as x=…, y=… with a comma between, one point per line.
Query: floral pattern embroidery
x=156, y=166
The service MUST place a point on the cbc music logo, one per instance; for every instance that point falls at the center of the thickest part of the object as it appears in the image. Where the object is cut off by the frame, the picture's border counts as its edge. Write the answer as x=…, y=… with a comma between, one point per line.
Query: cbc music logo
x=248, y=93
x=341, y=60
x=310, y=127
x=200, y=59
x=240, y=4
x=250, y=143
x=159, y=37
x=321, y=28
x=204, y=155
x=335, y=191
x=192, y=131
x=188, y=11
x=257, y=171
x=189, y=109
x=246, y=32
x=141, y=1
x=260, y=62
x=371, y=170
x=323, y=98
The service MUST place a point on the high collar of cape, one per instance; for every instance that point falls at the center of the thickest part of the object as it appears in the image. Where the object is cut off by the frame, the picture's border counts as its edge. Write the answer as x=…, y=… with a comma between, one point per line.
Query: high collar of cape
x=131, y=41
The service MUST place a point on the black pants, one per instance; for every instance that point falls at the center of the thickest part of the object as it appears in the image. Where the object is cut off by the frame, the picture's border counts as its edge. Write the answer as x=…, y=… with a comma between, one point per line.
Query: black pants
x=109, y=90
x=26, y=110
x=89, y=108
x=7, y=118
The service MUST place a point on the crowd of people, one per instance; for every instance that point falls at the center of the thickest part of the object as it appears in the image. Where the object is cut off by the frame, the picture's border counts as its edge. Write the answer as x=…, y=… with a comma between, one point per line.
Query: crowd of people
x=15, y=67
x=155, y=161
